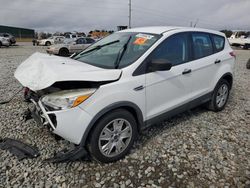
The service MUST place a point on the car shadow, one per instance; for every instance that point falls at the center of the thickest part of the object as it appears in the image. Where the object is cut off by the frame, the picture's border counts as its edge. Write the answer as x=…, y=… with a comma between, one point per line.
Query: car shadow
x=157, y=129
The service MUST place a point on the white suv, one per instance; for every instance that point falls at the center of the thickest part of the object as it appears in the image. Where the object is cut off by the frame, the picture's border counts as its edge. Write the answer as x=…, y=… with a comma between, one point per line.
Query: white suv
x=103, y=97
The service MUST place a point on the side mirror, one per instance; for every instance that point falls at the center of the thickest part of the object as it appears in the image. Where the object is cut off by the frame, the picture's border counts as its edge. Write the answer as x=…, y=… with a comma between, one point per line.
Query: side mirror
x=159, y=65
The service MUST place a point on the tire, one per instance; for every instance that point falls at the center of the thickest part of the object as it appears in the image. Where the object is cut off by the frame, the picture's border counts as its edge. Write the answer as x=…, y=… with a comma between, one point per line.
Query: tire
x=112, y=137
x=220, y=96
x=63, y=52
x=48, y=43
x=0, y=44
x=248, y=64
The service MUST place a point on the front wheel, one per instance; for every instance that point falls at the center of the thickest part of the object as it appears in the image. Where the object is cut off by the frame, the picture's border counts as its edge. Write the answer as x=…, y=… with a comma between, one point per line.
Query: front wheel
x=113, y=136
x=220, y=96
x=248, y=64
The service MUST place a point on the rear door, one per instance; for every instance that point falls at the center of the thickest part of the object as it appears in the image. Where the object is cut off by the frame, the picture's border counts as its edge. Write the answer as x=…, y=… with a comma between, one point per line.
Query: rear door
x=205, y=63
x=79, y=45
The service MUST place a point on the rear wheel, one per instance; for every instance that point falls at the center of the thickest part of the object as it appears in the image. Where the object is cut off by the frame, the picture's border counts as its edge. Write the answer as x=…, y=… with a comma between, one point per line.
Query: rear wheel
x=113, y=136
x=0, y=44
x=48, y=43
x=220, y=96
x=64, y=52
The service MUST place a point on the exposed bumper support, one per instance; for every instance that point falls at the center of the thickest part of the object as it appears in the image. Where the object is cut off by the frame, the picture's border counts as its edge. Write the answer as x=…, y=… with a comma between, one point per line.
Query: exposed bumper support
x=77, y=153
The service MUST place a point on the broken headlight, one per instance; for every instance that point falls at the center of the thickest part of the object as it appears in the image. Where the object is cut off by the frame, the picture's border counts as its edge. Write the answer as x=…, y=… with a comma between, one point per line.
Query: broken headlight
x=67, y=99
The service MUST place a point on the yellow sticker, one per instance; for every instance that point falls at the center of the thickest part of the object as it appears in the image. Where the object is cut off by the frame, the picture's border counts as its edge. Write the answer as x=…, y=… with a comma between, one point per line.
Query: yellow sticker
x=140, y=41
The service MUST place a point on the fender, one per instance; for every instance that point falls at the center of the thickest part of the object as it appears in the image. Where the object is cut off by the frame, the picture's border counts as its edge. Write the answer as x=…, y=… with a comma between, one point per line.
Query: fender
x=122, y=104
x=223, y=76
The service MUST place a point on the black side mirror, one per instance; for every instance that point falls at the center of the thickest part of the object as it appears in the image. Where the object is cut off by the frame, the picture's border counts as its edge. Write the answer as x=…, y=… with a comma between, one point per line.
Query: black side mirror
x=159, y=65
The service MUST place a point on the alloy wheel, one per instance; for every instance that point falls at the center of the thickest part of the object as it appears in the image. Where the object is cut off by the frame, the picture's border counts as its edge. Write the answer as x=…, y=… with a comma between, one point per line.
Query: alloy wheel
x=115, y=137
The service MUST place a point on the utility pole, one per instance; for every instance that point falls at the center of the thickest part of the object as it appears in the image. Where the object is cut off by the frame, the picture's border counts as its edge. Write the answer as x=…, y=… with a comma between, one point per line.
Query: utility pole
x=129, y=16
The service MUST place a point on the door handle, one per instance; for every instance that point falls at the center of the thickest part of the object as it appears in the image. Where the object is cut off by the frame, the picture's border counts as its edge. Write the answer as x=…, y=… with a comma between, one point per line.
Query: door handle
x=217, y=61
x=141, y=87
x=186, y=71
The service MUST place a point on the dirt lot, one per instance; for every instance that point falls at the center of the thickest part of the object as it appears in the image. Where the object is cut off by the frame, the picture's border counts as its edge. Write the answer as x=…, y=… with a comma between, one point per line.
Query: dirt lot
x=199, y=148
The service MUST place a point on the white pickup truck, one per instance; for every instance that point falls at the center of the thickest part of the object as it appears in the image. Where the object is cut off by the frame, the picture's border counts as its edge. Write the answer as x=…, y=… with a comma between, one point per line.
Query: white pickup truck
x=236, y=40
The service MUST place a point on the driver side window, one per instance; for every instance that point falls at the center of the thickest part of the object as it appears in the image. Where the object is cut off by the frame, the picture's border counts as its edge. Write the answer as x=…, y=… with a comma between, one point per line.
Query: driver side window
x=175, y=49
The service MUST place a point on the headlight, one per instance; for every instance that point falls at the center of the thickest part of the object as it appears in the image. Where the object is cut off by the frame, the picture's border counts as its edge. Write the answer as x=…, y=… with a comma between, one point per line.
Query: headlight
x=67, y=99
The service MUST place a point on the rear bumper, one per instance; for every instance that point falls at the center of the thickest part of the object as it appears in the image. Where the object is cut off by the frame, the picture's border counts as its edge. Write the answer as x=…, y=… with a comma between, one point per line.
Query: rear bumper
x=70, y=124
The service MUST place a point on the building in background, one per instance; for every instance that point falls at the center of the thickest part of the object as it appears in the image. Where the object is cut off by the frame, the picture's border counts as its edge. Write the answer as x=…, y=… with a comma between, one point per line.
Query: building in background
x=21, y=34
x=121, y=27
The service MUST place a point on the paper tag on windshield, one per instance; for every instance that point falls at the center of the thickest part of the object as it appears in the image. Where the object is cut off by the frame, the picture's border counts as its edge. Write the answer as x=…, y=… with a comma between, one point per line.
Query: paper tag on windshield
x=146, y=36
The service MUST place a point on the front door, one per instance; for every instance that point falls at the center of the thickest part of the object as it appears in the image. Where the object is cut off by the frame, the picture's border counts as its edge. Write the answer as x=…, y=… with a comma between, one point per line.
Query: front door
x=167, y=90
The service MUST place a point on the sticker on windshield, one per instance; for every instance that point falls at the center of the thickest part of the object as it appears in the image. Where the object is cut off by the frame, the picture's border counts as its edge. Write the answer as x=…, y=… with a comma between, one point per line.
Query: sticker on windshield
x=140, y=41
x=146, y=36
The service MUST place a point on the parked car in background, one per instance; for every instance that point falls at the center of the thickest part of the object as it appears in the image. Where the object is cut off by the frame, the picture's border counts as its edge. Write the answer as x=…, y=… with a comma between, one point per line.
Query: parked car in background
x=4, y=41
x=51, y=40
x=239, y=40
x=10, y=37
x=66, y=49
x=71, y=37
x=103, y=97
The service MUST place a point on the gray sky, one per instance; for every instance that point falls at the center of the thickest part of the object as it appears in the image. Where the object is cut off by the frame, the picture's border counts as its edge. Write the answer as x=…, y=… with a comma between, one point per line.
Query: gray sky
x=83, y=15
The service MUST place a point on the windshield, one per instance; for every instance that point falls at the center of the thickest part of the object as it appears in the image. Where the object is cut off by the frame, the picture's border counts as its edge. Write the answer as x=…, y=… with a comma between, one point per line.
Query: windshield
x=117, y=50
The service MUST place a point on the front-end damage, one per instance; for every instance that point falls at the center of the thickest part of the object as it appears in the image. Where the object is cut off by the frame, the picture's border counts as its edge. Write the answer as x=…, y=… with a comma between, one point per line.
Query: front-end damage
x=68, y=123
x=56, y=88
x=57, y=107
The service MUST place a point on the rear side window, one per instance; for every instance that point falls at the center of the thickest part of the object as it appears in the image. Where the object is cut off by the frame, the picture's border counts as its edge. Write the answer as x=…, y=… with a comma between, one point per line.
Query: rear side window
x=175, y=49
x=80, y=41
x=219, y=42
x=89, y=40
x=202, y=45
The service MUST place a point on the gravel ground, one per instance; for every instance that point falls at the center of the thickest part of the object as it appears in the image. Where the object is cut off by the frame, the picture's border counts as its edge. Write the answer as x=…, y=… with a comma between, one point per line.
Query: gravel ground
x=198, y=148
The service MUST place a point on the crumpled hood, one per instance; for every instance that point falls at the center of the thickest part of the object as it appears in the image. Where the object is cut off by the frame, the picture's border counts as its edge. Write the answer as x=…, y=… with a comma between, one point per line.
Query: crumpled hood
x=40, y=71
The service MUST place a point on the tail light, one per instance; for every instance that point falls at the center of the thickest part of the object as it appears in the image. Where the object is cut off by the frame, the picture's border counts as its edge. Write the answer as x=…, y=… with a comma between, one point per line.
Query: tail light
x=232, y=54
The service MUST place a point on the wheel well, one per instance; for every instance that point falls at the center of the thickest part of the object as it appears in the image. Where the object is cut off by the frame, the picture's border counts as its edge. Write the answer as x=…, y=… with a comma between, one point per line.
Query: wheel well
x=229, y=79
x=133, y=111
x=63, y=48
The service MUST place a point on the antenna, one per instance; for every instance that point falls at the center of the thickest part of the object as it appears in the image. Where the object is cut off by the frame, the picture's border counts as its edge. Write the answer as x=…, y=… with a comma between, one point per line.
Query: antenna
x=196, y=22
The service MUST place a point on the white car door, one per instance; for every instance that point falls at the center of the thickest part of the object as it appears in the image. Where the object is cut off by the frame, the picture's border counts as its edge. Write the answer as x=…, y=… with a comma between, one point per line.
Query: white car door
x=205, y=64
x=78, y=46
x=166, y=90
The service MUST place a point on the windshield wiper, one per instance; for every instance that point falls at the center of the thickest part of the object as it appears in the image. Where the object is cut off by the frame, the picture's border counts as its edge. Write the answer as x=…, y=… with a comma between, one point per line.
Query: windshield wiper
x=121, y=53
x=98, y=47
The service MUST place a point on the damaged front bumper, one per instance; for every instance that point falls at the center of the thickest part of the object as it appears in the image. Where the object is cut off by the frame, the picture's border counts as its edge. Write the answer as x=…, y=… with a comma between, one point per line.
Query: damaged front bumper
x=70, y=124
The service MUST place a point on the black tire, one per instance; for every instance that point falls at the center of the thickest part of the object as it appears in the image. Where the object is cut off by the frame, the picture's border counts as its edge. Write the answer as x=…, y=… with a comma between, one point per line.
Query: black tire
x=248, y=64
x=63, y=52
x=48, y=43
x=93, y=139
x=212, y=105
x=0, y=44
